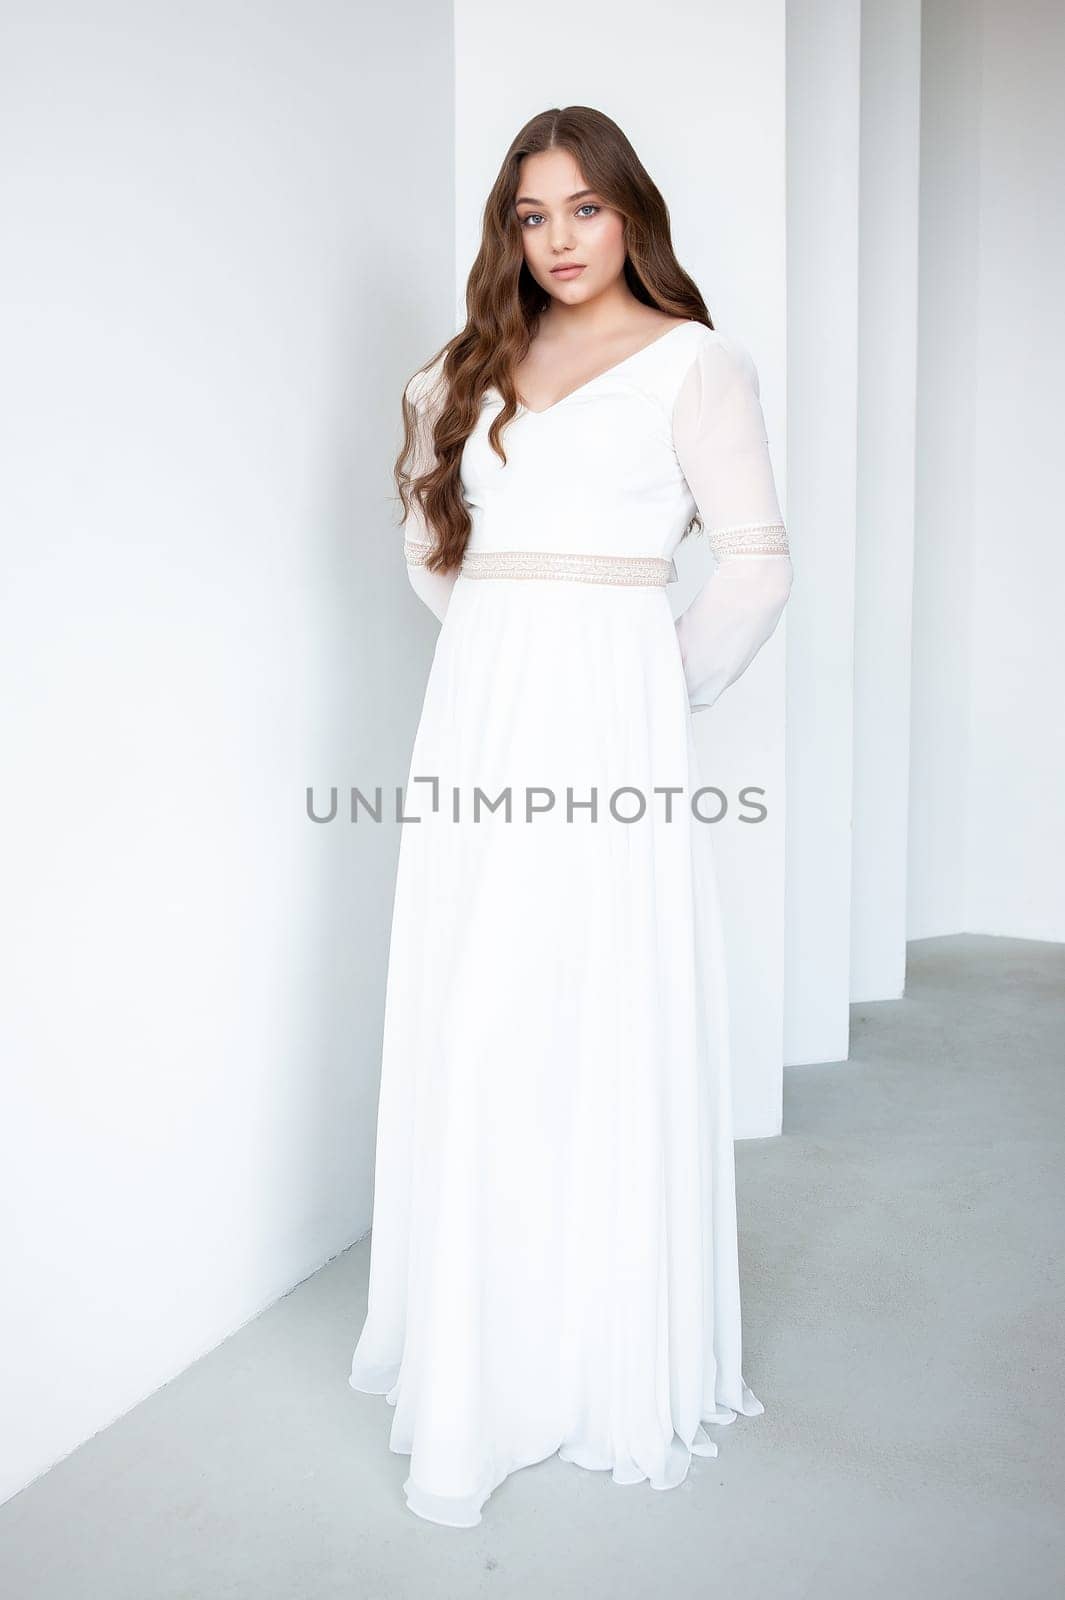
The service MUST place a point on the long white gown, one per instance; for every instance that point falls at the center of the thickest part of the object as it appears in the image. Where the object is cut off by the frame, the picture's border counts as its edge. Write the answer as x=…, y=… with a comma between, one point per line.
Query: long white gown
x=553, y=1259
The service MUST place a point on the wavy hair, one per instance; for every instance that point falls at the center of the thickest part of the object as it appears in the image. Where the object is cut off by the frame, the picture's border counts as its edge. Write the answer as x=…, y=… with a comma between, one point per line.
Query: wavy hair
x=504, y=304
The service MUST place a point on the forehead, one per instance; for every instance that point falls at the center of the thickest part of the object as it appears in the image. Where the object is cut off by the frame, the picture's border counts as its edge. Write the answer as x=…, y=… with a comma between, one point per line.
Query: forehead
x=550, y=176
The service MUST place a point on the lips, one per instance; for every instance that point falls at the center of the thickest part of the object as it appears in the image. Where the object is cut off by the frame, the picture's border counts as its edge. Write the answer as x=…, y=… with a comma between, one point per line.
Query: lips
x=569, y=270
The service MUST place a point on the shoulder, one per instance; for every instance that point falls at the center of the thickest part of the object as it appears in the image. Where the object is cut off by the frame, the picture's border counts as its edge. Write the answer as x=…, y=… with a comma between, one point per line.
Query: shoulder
x=719, y=361
x=717, y=387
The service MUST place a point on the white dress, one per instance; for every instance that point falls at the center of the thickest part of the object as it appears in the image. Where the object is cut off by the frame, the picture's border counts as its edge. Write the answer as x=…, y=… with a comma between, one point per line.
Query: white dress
x=553, y=1261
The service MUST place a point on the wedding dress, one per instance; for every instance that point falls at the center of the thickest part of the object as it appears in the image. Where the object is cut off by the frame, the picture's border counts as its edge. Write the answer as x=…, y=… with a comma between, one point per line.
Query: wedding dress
x=554, y=1263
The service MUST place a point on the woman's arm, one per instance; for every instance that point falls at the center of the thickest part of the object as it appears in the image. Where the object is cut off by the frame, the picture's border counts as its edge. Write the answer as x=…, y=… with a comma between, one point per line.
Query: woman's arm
x=720, y=439
x=434, y=588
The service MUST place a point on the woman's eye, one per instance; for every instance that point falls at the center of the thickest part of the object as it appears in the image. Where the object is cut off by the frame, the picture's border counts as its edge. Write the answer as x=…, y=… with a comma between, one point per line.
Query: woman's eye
x=533, y=216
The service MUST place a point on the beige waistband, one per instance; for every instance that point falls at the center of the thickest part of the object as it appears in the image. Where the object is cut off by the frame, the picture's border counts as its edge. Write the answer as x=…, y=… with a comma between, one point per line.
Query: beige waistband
x=579, y=566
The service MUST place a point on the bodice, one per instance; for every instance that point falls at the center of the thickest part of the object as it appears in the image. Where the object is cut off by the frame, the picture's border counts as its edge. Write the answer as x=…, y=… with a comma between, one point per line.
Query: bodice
x=597, y=472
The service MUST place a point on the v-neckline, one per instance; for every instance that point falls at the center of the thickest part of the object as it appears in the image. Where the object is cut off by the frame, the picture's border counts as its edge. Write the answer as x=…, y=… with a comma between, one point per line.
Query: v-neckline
x=691, y=322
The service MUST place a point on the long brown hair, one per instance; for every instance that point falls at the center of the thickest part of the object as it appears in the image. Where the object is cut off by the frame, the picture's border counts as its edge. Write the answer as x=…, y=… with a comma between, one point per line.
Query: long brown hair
x=504, y=304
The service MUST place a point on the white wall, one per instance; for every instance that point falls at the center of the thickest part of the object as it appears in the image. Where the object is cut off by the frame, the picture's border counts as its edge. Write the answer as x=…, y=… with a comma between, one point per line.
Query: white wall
x=949, y=351
x=988, y=767
x=887, y=394
x=217, y=275
x=1014, y=843
x=699, y=90
x=824, y=64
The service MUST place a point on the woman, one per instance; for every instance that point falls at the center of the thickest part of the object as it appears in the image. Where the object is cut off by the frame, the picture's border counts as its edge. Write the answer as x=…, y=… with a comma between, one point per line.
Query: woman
x=554, y=1255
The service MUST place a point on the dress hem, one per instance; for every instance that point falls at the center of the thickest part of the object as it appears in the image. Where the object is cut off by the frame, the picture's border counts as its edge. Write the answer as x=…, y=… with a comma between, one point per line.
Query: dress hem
x=465, y=1511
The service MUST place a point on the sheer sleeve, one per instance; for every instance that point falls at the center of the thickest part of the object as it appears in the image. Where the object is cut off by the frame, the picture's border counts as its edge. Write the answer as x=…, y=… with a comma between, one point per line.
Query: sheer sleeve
x=434, y=588
x=720, y=438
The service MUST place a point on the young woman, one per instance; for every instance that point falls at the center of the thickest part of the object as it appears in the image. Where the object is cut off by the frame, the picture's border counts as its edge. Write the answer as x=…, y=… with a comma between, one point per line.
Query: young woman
x=554, y=1254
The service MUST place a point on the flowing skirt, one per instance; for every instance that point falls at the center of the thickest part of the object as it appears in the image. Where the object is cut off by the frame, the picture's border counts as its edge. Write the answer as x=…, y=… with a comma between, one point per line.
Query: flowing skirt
x=553, y=1263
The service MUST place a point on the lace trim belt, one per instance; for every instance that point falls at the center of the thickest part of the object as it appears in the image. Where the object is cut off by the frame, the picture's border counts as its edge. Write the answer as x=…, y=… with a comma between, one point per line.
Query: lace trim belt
x=750, y=539
x=579, y=566
x=746, y=539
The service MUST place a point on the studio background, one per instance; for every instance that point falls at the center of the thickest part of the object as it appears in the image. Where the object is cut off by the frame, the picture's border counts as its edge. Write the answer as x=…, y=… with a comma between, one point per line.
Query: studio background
x=233, y=231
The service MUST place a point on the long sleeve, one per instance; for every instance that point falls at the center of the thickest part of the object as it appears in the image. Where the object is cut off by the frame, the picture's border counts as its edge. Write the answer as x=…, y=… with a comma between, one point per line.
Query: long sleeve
x=434, y=588
x=720, y=438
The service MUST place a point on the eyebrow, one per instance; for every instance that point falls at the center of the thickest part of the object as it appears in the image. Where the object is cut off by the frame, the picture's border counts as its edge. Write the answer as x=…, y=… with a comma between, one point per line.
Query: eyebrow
x=527, y=199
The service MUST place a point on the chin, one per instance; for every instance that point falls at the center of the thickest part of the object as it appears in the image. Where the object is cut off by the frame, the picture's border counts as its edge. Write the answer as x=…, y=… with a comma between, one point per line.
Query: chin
x=568, y=288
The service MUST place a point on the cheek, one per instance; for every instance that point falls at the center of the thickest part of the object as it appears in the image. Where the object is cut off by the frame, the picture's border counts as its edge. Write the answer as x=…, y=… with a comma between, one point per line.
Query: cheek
x=610, y=238
x=532, y=245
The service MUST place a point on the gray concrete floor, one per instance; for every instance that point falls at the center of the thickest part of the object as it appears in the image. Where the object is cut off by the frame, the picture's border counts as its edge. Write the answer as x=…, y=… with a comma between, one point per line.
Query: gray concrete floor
x=901, y=1248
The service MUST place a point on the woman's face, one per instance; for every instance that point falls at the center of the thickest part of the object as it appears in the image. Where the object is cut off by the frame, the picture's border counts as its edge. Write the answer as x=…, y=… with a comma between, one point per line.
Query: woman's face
x=564, y=223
